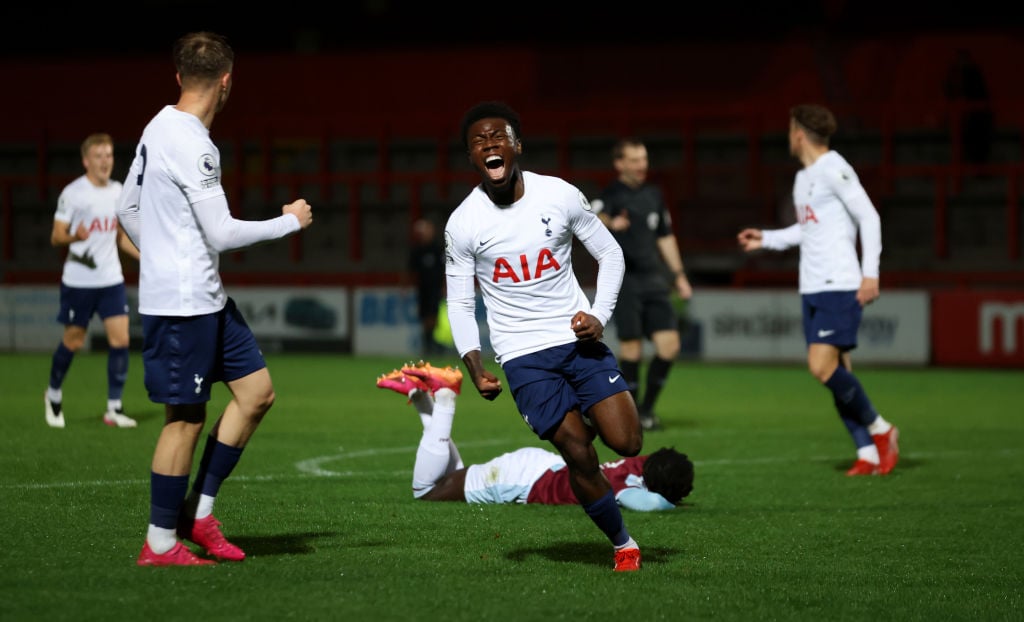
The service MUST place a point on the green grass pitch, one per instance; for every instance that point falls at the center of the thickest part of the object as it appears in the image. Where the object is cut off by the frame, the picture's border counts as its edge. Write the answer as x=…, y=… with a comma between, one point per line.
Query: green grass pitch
x=321, y=502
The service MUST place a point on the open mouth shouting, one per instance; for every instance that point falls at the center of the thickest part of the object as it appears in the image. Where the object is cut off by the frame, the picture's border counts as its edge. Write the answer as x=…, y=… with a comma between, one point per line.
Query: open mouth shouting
x=495, y=167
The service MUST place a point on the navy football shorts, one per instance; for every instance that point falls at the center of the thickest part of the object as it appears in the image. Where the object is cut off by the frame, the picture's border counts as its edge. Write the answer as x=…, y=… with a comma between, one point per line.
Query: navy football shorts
x=78, y=304
x=832, y=318
x=549, y=383
x=184, y=356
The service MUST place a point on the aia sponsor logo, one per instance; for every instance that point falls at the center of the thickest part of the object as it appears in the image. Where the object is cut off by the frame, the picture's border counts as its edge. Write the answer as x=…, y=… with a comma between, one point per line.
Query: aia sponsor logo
x=520, y=269
x=103, y=225
x=805, y=214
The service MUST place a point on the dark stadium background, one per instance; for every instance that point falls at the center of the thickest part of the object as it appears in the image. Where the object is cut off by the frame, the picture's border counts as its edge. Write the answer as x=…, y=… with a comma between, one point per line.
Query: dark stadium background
x=39, y=30
x=355, y=105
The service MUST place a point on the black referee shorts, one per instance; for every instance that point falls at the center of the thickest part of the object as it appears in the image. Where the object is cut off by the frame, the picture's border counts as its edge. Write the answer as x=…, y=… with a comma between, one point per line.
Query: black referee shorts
x=644, y=307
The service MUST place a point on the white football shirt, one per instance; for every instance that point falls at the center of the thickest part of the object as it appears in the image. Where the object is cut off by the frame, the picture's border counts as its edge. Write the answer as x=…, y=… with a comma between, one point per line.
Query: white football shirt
x=92, y=262
x=521, y=256
x=831, y=207
x=176, y=164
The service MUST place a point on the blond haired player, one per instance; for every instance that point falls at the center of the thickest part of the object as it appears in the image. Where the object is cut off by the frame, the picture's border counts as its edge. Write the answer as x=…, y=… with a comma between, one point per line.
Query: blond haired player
x=92, y=282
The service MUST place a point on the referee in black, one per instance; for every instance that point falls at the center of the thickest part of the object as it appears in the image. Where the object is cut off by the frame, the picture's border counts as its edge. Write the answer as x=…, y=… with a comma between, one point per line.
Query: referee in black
x=635, y=213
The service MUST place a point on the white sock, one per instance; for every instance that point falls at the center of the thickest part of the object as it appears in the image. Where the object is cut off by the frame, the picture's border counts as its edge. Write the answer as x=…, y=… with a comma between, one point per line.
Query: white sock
x=113, y=405
x=868, y=453
x=455, y=461
x=205, y=506
x=879, y=426
x=443, y=415
x=630, y=544
x=161, y=540
x=54, y=395
x=424, y=405
x=433, y=456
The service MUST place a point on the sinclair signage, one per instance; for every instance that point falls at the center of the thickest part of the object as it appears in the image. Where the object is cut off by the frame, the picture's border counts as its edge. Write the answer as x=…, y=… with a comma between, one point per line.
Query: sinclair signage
x=978, y=328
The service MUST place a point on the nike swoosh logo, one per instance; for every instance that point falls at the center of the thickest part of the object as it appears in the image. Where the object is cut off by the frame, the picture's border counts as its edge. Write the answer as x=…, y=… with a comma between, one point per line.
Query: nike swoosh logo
x=825, y=333
x=484, y=243
x=612, y=379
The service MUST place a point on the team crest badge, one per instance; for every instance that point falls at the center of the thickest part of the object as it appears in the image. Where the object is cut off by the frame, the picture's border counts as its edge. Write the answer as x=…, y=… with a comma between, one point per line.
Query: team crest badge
x=448, y=244
x=210, y=171
x=207, y=165
x=585, y=203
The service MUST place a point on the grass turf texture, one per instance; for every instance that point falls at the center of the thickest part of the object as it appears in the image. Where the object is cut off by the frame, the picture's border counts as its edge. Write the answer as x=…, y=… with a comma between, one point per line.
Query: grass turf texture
x=321, y=503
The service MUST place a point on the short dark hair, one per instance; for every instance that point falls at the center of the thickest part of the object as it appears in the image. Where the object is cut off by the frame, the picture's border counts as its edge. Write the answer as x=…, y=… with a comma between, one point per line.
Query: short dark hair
x=488, y=110
x=816, y=120
x=669, y=473
x=202, y=56
x=620, y=146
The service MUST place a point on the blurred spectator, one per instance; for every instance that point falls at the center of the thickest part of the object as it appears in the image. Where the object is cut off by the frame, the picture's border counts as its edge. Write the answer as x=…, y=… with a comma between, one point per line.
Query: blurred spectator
x=967, y=91
x=426, y=263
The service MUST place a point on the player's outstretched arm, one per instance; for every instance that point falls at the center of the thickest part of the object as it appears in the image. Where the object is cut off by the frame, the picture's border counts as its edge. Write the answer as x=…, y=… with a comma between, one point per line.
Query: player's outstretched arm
x=301, y=210
x=643, y=500
x=750, y=239
x=225, y=233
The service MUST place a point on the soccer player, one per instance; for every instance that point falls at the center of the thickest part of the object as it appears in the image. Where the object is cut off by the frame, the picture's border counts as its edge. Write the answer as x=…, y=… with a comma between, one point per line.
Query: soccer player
x=644, y=483
x=174, y=207
x=832, y=208
x=635, y=212
x=513, y=234
x=92, y=282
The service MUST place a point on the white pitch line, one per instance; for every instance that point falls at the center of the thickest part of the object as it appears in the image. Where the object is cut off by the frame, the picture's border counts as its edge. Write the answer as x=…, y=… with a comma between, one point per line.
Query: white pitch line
x=309, y=467
x=313, y=466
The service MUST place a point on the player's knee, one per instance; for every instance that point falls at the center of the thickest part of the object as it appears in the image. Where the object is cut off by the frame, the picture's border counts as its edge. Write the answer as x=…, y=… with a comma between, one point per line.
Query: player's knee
x=74, y=342
x=118, y=340
x=630, y=350
x=626, y=440
x=631, y=446
x=669, y=353
x=820, y=371
x=259, y=404
x=666, y=344
x=268, y=400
